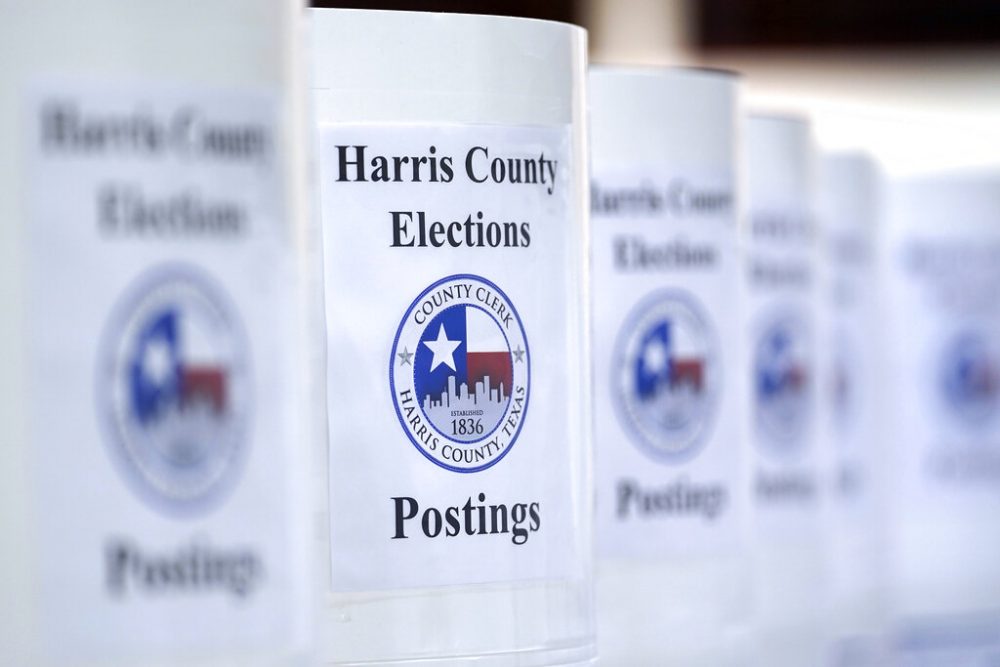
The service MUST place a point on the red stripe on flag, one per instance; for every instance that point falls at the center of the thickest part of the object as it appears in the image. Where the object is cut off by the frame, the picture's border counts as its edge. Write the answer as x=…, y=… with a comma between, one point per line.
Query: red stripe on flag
x=208, y=384
x=496, y=365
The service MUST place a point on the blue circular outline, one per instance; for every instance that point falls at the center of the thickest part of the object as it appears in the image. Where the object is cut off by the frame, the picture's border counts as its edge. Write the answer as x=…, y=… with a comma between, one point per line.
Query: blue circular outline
x=138, y=288
x=794, y=447
x=392, y=376
x=640, y=308
x=509, y=351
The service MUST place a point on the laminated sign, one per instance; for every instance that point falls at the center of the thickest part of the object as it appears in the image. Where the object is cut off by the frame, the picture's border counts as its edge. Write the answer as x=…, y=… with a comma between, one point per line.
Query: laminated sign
x=941, y=263
x=670, y=460
x=781, y=321
x=451, y=257
x=160, y=322
x=666, y=413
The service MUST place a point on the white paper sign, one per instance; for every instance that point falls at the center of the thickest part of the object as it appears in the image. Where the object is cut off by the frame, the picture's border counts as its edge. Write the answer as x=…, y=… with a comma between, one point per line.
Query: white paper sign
x=944, y=419
x=666, y=332
x=850, y=393
x=782, y=353
x=160, y=316
x=944, y=290
x=452, y=258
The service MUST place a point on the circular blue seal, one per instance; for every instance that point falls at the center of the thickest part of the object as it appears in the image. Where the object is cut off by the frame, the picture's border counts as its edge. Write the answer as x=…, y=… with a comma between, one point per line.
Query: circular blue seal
x=665, y=375
x=783, y=382
x=173, y=389
x=460, y=373
x=969, y=378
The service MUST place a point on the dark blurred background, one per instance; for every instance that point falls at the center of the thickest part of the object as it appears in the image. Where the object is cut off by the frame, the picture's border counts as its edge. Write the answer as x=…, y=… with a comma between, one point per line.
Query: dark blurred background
x=553, y=10
x=846, y=23
x=771, y=23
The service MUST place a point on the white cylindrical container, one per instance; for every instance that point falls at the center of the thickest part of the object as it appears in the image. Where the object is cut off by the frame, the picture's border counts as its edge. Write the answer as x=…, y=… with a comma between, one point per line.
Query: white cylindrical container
x=941, y=316
x=152, y=221
x=850, y=208
x=453, y=175
x=672, y=508
x=781, y=312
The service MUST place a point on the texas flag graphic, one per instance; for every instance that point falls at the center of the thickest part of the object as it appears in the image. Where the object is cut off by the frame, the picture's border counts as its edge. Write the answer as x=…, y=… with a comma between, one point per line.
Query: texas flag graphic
x=781, y=373
x=178, y=388
x=163, y=383
x=662, y=363
x=782, y=383
x=669, y=375
x=463, y=367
